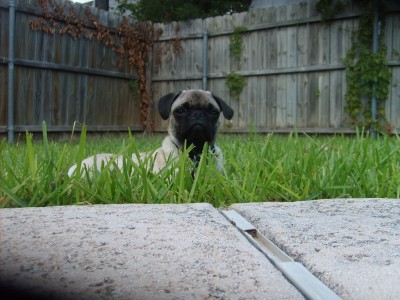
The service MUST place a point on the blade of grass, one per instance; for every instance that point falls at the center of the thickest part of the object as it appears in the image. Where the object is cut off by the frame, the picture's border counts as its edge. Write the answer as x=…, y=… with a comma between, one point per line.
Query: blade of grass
x=30, y=154
x=81, y=152
x=18, y=201
x=198, y=172
x=45, y=140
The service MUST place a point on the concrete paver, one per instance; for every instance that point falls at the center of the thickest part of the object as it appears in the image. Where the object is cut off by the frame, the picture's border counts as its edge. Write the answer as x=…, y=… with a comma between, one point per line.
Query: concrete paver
x=352, y=245
x=133, y=252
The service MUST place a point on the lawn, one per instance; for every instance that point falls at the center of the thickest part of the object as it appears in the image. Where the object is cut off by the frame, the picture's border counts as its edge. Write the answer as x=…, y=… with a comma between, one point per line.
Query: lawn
x=258, y=167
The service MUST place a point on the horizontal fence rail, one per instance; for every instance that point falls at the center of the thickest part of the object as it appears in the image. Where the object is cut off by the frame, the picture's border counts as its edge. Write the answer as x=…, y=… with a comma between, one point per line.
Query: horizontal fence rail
x=68, y=68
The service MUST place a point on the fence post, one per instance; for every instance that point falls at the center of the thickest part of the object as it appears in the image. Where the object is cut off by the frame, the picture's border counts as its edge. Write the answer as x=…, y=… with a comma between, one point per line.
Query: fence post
x=11, y=38
x=150, y=105
x=205, y=59
x=375, y=48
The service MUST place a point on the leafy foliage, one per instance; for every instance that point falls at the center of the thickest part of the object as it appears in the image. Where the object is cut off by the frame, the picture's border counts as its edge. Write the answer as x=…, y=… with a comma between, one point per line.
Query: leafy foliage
x=367, y=73
x=368, y=76
x=162, y=11
x=236, y=44
x=235, y=83
x=328, y=8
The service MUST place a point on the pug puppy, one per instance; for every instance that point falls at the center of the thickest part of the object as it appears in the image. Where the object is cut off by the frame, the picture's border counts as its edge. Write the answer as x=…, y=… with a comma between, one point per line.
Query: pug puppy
x=193, y=119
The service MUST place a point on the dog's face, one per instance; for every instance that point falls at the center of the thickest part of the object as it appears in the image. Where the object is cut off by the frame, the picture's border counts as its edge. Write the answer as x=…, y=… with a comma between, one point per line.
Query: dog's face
x=193, y=117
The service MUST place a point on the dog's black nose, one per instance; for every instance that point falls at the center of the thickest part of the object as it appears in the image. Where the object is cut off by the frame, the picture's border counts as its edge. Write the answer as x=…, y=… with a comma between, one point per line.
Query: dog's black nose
x=197, y=115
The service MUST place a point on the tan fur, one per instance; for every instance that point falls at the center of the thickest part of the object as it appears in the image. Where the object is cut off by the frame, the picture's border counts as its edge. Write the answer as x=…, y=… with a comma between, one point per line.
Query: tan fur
x=167, y=152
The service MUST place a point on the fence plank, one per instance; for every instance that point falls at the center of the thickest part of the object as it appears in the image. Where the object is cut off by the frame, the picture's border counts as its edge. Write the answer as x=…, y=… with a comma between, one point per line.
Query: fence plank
x=312, y=112
x=335, y=96
x=303, y=97
x=392, y=40
x=281, y=106
x=393, y=107
x=324, y=100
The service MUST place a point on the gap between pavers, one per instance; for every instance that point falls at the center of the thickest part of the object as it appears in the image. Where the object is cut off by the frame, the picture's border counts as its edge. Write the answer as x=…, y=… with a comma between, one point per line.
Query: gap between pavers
x=351, y=245
x=133, y=252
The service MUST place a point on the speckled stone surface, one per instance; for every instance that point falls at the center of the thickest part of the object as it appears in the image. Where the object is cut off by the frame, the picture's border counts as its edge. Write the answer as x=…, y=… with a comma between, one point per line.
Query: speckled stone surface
x=132, y=252
x=352, y=245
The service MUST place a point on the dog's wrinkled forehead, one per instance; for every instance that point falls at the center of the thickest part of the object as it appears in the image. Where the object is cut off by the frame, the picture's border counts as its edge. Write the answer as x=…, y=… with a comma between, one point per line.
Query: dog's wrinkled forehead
x=195, y=98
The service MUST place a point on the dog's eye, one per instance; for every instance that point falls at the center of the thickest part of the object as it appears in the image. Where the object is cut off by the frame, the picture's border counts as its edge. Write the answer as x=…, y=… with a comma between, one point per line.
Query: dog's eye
x=214, y=112
x=180, y=110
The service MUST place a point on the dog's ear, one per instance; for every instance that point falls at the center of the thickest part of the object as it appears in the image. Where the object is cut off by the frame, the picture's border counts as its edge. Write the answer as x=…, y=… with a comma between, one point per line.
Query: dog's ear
x=227, y=111
x=165, y=103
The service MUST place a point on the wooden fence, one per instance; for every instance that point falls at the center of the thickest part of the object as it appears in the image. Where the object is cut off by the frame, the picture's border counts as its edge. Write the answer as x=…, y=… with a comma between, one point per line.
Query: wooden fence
x=291, y=62
x=61, y=80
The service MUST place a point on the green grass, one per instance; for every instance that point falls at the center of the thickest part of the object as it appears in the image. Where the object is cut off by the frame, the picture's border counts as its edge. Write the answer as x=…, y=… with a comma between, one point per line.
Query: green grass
x=257, y=168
